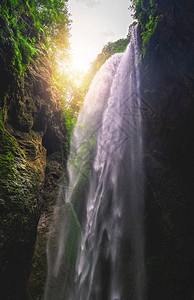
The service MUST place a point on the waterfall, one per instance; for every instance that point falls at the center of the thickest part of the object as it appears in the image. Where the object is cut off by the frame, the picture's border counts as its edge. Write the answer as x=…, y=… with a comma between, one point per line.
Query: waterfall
x=96, y=247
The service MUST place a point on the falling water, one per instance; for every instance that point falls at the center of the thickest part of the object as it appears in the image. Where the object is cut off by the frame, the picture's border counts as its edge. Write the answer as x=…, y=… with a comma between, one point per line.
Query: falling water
x=98, y=225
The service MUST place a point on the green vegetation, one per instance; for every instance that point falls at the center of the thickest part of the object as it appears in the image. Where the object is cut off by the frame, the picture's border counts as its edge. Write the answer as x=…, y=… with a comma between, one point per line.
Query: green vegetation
x=28, y=30
x=73, y=237
x=73, y=90
x=146, y=11
x=39, y=267
x=73, y=93
x=8, y=148
x=25, y=25
x=15, y=188
x=108, y=50
x=71, y=96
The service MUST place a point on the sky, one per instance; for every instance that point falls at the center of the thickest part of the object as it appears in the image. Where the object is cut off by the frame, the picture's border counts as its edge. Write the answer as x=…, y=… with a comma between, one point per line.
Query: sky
x=95, y=23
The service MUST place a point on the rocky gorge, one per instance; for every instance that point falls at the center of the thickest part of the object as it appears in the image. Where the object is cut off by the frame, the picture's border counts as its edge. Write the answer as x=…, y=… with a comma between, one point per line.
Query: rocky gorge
x=33, y=155
x=32, y=161
x=168, y=99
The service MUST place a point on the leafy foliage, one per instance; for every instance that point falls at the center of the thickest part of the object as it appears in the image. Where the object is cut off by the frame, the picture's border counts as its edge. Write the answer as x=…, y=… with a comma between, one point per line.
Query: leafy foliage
x=27, y=29
x=73, y=89
x=8, y=147
x=110, y=49
x=25, y=24
x=146, y=11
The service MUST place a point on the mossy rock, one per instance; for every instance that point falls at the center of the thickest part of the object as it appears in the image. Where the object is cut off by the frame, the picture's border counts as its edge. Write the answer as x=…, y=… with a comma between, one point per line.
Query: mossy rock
x=65, y=232
x=19, y=213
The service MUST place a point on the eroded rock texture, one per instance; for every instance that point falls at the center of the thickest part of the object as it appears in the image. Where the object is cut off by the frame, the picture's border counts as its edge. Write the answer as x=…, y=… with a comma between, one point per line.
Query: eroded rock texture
x=32, y=160
x=168, y=113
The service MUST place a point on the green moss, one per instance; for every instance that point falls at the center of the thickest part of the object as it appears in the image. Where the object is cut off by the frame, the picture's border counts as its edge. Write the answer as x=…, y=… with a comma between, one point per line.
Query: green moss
x=74, y=234
x=67, y=218
x=23, y=24
x=18, y=189
x=14, y=37
x=8, y=147
x=108, y=50
x=148, y=17
x=39, y=267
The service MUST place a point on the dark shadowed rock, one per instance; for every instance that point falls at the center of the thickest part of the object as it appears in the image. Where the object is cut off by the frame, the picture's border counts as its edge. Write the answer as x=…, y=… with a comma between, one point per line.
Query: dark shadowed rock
x=32, y=161
x=168, y=113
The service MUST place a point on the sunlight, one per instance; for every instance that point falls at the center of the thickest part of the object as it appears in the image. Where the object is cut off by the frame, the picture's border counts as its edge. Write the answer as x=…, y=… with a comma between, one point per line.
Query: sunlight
x=77, y=66
x=81, y=59
x=67, y=69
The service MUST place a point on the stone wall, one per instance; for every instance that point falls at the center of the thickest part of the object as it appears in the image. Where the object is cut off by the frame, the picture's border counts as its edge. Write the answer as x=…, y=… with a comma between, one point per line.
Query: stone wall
x=168, y=116
x=32, y=161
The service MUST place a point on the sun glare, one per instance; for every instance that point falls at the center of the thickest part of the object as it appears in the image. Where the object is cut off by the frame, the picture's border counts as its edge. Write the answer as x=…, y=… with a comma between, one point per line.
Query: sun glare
x=68, y=70
x=81, y=58
x=80, y=64
x=77, y=66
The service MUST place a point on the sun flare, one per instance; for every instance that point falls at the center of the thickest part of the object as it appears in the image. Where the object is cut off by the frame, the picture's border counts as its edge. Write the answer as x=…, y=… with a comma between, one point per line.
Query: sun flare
x=72, y=72
x=77, y=66
x=81, y=58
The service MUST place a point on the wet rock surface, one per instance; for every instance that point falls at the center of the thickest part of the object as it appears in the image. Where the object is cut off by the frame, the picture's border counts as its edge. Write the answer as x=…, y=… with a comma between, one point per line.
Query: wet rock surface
x=168, y=116
x=32, y=160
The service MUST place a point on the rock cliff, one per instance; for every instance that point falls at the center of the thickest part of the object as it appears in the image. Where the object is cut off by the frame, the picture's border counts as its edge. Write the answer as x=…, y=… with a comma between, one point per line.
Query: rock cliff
x=32, y=160
x=168, y=115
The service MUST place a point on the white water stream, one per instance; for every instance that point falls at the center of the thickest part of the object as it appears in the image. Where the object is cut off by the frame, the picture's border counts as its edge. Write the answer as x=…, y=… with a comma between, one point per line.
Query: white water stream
x=96, y=250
